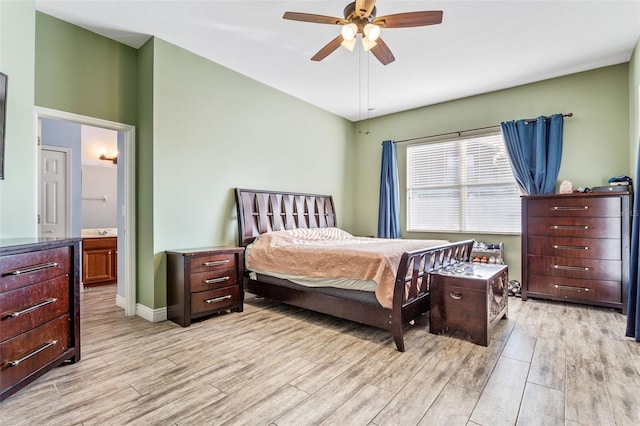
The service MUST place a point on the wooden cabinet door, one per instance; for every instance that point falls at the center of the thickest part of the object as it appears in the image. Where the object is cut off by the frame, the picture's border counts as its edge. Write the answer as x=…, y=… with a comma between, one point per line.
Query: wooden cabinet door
x=99, y=261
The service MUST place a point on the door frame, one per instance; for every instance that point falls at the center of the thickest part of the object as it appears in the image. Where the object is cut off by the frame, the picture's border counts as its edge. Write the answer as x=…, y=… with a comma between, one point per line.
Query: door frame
x=129, y=189
x=69, y=198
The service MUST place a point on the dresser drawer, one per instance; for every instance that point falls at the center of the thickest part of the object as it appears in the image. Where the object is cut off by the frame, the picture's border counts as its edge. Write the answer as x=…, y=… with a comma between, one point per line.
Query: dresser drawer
x=576, y=207
x=214, y=300
x=21, y=270
x=31, y=306
x=27, y=353
x=213, y=262
x=587, y=269
x=586, y=227
x=218, y=278
x=561, y=288
x=584, y=248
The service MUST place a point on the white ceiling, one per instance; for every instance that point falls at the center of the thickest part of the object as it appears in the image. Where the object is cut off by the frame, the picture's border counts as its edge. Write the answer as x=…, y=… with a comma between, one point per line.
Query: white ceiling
x=481, y=46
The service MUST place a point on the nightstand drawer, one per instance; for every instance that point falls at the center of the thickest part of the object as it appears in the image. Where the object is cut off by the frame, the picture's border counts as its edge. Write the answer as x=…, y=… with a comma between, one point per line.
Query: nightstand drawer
x=204, y=281
x=214, y=300
x=212, y=262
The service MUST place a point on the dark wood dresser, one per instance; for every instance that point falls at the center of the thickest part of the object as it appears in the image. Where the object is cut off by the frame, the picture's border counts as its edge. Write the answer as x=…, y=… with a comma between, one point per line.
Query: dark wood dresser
x=39, y=308
x=575, y=248
x=201, y=282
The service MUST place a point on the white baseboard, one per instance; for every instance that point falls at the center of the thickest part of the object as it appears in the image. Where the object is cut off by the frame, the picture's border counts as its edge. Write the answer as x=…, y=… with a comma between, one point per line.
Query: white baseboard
x=152, y=315
x=121, y=302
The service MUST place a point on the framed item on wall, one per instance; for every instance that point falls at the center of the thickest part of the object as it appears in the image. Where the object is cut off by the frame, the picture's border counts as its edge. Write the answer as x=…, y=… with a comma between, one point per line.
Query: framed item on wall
x=3, y=118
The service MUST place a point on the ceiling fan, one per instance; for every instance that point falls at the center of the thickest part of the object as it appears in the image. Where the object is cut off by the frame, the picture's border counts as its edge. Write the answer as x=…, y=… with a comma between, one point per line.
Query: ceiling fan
x=360, y=18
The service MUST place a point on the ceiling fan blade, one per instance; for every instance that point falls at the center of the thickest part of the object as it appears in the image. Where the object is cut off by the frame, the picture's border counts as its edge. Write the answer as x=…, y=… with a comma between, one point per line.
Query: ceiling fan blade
x=327, y=49
x=310, y=17
x=365, y=7
x=410, y=19
x=382, y=52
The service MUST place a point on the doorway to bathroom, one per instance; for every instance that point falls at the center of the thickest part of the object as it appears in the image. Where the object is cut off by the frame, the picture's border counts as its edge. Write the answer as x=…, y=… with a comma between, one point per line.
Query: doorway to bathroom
x=95, y=163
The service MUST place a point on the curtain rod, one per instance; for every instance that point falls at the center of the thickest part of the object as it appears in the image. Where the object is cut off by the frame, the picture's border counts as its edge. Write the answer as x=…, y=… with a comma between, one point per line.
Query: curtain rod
x=459, y=132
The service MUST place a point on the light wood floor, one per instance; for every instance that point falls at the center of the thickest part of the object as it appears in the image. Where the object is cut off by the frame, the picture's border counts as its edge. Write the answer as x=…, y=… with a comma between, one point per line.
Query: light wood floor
x=549, y=363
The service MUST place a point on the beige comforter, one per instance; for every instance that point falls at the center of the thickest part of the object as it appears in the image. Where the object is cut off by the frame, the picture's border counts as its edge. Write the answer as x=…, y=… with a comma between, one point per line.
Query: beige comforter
x=333, y=253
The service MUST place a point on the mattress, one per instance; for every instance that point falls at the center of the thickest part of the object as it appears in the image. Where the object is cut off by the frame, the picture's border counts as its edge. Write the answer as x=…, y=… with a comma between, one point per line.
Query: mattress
x=331, y=257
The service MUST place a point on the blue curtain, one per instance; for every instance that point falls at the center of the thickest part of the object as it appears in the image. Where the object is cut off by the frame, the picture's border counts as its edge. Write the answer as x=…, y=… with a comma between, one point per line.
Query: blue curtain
x=633, y=303
x=535, y=152
x=389, y=208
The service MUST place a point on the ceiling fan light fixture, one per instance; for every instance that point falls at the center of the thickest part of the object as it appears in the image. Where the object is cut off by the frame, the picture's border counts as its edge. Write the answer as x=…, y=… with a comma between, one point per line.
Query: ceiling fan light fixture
x=372, y=31
x=349, y=31
x=368, y=44
x=349, y=44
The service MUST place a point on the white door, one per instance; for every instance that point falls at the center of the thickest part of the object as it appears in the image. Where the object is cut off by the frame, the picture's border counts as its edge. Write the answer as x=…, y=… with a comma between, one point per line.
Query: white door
x=53, y=201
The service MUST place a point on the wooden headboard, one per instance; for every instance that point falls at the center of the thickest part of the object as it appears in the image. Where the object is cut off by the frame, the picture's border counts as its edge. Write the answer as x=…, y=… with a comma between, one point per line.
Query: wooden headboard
x=264, y=211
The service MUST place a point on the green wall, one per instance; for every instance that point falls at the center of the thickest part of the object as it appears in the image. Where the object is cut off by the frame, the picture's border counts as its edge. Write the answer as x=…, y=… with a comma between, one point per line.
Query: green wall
x=214, y=130
x=201, y=130
x=144, y=177
x=81, y=72
x=17, y=190
x=596, y=139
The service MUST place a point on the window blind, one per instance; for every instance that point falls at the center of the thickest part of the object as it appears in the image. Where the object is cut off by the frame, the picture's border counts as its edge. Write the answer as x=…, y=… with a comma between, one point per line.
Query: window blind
x=462, y=185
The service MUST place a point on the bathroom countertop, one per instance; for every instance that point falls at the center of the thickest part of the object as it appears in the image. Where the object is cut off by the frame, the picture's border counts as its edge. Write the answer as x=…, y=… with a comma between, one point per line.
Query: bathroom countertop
x=99, y=232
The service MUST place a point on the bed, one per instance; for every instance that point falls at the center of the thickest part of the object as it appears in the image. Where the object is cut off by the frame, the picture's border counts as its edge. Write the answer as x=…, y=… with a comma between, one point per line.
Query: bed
x=269, y=216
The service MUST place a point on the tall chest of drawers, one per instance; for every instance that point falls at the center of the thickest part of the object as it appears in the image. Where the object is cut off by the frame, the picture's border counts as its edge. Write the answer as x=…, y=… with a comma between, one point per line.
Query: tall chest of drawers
x=39, y=309
x=575, y=248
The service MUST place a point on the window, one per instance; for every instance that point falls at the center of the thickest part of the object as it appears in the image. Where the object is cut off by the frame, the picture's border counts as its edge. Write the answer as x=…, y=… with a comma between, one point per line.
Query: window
x=462, y=185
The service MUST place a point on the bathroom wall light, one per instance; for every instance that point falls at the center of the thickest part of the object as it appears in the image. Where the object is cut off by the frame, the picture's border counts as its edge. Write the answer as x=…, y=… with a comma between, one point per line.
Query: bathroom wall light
x=113, y=159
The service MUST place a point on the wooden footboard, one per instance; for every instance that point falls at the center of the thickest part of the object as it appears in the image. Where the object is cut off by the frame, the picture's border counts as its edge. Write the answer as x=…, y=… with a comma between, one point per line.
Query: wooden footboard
x=411, y=293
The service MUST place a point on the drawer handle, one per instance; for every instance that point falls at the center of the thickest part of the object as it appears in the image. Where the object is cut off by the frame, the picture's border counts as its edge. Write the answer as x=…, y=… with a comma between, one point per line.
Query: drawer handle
x=33, y=268
x=29, y=309
x=455, y=296
x=570, y=208
x=571, y=247
x=216, y=263
x=570, y=268
x=569, y=227
x=218, y=299
x=569, y=287
x=29, y=355
x=216, y=280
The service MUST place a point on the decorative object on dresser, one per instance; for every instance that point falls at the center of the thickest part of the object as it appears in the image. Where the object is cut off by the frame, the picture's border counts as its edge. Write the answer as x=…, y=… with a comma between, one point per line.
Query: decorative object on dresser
x=471, y=299
x=39, y=308
x=575, y=248
x=202, y=282
x=263, y=213
x=99, y=261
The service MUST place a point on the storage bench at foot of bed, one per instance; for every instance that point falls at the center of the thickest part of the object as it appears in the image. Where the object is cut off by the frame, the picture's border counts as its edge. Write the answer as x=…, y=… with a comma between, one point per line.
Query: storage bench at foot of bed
x=470, y=302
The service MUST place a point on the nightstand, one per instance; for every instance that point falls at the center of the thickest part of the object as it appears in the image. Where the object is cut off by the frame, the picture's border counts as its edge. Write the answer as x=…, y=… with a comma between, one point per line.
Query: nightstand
x=471, y=299
x=201, y=282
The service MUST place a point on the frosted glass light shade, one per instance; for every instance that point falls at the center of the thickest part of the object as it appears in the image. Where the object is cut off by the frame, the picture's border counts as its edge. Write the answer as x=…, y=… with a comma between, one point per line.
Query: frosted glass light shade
x=348, y=44
x=372, y=31
x=349, y=31
x=368, y=44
